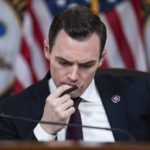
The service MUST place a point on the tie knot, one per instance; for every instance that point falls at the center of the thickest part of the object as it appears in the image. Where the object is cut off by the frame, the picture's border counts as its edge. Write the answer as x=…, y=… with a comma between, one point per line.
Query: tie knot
x=77, y=101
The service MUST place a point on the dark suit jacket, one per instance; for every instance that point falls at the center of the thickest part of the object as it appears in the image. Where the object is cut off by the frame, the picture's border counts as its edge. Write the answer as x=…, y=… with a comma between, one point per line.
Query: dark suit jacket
x=131, y=113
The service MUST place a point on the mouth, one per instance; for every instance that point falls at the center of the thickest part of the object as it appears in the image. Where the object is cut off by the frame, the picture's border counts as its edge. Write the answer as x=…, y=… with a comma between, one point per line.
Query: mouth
x=73, y=84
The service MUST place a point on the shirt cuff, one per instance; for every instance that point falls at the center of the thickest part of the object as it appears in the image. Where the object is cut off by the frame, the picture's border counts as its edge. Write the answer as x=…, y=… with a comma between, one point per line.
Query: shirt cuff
x=41, y=135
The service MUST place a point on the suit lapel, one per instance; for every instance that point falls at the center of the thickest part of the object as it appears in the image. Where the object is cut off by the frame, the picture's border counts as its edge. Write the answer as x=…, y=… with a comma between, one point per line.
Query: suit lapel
x=40, y=93
x=108, y=88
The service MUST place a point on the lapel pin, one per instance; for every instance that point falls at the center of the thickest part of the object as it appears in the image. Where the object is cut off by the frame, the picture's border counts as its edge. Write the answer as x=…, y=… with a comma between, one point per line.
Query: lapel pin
x=115, y=98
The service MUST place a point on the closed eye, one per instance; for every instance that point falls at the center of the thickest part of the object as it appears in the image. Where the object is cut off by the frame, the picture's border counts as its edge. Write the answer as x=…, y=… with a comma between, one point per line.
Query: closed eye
x=63, y=61
x=87, y=65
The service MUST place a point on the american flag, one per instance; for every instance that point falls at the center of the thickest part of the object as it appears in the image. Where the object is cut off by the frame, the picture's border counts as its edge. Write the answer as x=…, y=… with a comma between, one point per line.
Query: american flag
x=125, y=36
x=125, y=42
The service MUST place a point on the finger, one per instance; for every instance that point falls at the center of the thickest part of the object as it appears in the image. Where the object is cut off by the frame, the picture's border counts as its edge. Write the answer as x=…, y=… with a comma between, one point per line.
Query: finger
x=69, y=112
x=69, y=103
x=64, y=99
x=64, y=116
x=58, y=91
x=59, y=101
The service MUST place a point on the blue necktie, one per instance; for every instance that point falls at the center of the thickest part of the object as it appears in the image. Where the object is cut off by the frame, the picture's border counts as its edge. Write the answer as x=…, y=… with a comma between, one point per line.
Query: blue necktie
x=75, y=133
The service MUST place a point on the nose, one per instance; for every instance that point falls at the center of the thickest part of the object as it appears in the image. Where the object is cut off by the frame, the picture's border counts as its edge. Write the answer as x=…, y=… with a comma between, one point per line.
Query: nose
x=73, y=73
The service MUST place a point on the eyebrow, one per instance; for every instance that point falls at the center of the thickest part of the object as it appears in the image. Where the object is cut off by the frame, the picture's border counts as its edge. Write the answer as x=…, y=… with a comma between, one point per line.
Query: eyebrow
x=91, y=62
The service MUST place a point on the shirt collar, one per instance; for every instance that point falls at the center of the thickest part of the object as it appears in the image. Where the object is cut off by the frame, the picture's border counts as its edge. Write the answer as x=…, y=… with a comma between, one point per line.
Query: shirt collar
x=90, y=94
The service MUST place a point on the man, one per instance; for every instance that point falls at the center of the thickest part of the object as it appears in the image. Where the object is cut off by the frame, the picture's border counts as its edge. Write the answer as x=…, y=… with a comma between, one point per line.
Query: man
x=76, y=50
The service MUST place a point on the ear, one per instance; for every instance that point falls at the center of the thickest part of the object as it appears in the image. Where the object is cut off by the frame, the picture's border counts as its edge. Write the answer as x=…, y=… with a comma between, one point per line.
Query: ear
x=46, y=50
x=103, y=57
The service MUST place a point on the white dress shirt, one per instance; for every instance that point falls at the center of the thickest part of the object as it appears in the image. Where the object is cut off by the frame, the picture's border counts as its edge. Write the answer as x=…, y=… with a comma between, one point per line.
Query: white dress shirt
x=92, y=114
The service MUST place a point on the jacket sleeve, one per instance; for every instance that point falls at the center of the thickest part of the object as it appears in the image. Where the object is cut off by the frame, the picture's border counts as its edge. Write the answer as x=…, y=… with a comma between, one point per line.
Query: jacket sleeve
x=11, y=129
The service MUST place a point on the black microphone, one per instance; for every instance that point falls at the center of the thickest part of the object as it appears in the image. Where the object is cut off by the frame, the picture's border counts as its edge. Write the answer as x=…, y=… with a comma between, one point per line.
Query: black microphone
x=6, y=116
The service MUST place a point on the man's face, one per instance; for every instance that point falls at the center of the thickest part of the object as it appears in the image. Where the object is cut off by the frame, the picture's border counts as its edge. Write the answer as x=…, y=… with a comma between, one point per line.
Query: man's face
x=74, y=62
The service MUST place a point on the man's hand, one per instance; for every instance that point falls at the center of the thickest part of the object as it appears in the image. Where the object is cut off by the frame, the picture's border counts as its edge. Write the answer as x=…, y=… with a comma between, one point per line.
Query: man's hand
x=57, y=109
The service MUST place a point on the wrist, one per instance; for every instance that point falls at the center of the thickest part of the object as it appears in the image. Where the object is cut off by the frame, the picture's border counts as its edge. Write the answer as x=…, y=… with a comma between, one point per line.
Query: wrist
x=48, y=129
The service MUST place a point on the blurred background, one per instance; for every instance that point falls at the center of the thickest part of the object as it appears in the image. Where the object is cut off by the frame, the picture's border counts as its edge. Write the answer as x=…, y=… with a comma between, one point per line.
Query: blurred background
x=24, y=24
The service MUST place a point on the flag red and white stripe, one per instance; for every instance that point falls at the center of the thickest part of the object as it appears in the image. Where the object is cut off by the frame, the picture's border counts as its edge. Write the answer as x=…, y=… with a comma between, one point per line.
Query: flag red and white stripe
x=31, y=65
x=125, y=40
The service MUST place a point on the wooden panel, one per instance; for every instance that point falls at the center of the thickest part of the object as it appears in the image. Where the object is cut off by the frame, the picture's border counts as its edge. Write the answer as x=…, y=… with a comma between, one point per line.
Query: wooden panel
x=69, y=145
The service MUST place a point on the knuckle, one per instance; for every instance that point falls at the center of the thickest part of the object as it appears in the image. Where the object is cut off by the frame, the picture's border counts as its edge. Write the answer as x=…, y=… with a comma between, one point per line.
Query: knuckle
x=57, y=111
x=47, y=100
x=62, y=116
x=72, y=109
x=71, y=102
x=68, y=96
x=53, y=104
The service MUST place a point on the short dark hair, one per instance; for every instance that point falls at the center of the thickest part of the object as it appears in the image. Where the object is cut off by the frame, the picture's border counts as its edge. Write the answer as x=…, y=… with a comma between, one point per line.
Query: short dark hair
x=78, y=22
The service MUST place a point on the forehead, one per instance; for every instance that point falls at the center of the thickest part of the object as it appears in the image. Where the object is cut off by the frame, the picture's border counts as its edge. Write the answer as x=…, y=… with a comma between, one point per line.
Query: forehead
x=70, y=48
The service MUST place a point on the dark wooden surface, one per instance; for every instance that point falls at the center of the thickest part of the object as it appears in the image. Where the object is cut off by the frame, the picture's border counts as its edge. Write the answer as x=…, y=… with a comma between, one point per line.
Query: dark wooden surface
x=69, y=145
